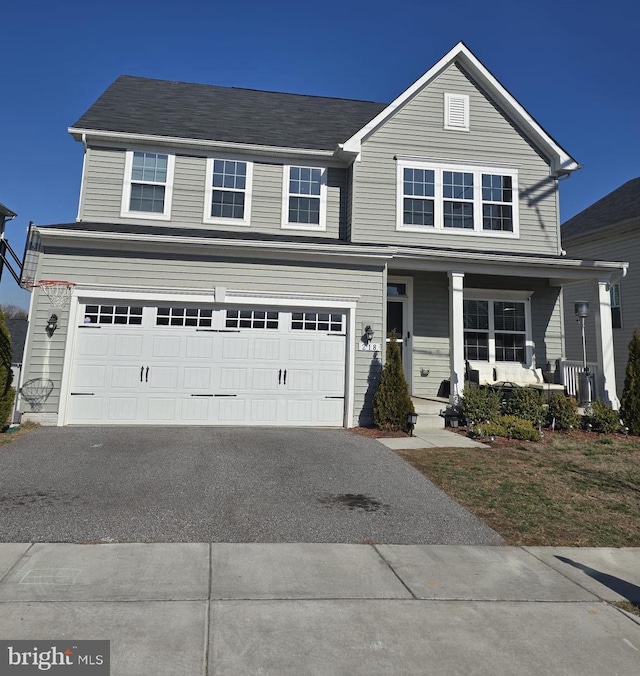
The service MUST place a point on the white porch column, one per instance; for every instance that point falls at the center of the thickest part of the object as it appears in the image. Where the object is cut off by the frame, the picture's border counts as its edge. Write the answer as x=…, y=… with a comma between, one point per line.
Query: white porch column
x=456, y=333
x=604, y=344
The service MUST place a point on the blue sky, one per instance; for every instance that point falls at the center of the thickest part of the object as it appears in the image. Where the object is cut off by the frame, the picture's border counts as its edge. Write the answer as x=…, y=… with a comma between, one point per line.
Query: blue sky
x=574, y=65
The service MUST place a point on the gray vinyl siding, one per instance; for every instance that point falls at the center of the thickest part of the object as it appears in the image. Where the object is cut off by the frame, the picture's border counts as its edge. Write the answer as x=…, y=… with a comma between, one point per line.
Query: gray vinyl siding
x=366, y=282
x=623, y=245
x=430, y=341
x=417, y=131
x=104, y=180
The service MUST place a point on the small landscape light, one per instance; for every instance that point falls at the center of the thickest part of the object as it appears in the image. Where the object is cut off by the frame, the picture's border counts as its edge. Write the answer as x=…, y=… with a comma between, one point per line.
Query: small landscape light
x=412, y=419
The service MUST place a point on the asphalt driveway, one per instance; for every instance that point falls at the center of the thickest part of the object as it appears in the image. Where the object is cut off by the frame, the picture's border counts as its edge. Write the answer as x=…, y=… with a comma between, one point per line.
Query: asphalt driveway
x=206, y=484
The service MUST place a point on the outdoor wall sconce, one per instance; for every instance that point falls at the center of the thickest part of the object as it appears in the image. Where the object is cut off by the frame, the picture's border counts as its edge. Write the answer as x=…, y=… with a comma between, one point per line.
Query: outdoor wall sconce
x=52, y=325
x=368, y=332
x=412, y=419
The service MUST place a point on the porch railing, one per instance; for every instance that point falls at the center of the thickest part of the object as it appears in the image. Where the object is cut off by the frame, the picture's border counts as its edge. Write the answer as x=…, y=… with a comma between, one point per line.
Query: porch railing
x=570, y=374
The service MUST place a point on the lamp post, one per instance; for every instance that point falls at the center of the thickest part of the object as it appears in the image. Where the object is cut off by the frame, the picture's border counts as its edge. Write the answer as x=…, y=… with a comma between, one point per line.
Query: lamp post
x=582, y=312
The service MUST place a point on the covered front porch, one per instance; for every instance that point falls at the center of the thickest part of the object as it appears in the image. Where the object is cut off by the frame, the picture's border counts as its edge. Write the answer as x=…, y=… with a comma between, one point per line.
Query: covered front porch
x=503, y=311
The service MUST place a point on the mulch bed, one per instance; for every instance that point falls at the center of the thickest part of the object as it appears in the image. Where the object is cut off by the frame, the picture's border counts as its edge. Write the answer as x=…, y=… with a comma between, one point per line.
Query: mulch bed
x=375, y=433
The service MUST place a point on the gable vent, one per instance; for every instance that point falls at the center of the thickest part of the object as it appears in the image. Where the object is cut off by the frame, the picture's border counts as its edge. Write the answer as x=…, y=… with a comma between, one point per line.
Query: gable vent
x=456, y=111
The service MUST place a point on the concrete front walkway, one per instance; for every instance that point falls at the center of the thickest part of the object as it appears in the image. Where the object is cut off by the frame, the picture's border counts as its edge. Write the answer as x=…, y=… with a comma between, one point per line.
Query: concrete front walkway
x=241, y=609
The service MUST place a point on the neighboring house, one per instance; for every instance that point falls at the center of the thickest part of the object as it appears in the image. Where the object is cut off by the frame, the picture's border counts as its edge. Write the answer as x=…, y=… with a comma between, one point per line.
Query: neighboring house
x=5, y=215
x=233, y=249
x=609, y=228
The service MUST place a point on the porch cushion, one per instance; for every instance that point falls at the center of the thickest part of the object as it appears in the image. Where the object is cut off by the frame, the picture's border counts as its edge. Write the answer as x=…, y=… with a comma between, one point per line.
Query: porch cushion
x=516, y=373
x=485, y=372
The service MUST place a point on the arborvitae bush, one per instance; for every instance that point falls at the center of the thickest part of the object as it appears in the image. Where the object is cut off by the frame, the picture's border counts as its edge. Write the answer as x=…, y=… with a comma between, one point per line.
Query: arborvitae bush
x=480, y=404
x=562, y=413
x=526, y=403
x=6, y=375
x=392, y=403
x=601, y=417
x=630, y=404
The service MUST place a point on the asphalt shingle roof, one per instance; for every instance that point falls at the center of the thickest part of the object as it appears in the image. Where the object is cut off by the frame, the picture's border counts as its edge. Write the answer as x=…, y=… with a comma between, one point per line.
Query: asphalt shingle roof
x=178, y=109
x=621, y=205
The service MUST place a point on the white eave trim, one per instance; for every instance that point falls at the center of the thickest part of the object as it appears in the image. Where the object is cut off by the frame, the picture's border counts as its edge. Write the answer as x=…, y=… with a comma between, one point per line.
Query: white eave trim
x=561, y=161
x=174, y=141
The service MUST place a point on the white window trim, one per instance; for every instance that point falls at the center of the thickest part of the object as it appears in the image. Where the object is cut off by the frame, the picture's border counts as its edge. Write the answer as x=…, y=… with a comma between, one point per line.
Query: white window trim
x=125, y=212
x=322, y=226
x=448, y=97
x=208, y=193
x=438, y=168
x=500, y=297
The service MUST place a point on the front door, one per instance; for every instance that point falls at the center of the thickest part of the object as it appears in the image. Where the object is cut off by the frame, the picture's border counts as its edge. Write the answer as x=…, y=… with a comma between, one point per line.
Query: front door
x=398, y=299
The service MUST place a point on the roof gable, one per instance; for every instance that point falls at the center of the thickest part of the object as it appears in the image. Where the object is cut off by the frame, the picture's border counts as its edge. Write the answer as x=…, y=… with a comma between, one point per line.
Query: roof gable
x=561, y=161
x=619, y=206
x=135, y=105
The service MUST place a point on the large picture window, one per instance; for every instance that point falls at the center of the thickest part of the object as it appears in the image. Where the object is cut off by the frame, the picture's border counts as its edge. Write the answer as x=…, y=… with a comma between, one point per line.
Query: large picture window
x=148, y=185
x=450, y=198
x=495, y=330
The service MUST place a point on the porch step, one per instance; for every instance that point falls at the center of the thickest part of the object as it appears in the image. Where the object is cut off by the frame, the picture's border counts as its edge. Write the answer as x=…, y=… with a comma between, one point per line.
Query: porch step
x=428, y=411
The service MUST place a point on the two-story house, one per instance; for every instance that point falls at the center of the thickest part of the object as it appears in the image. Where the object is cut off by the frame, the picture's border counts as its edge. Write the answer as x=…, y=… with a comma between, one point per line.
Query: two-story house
x=240, y=256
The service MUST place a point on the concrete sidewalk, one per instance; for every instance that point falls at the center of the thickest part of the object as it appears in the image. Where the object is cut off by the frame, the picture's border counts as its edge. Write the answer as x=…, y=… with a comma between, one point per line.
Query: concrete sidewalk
x=329, y=609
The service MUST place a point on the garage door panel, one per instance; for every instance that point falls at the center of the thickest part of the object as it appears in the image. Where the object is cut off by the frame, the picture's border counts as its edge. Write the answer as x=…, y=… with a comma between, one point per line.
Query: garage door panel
x=233, y=380
x=166, y=346
x=231, y=410
x=264, y=410
x=163, y=377
x=266, y=349
x=207, y=374
x=125, y=377
x=161, y=409
x=199, y=347
x=91, y=376
x=122, y=409
x=235, y=348
x=196, y=378
x=128, y=345
x=93, y=344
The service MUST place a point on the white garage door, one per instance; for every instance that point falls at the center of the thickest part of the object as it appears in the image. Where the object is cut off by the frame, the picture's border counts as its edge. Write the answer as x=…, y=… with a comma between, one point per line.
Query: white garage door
x=142, y=364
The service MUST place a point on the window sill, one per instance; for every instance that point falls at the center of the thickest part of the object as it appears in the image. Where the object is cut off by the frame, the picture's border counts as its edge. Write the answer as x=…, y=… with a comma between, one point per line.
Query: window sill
x=144, y=216
x=458, y=231
x=302, y=226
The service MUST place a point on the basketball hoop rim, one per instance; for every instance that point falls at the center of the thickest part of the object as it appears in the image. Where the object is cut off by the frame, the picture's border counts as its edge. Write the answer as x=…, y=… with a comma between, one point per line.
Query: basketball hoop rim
x=55, y=282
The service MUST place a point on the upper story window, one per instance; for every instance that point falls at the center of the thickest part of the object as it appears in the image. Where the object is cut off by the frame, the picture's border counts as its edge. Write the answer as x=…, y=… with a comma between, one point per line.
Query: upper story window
x=148, y=185
x=304, y=198
x=456, y=111
x=449, y=198
x=616, y=306
x=228, y=194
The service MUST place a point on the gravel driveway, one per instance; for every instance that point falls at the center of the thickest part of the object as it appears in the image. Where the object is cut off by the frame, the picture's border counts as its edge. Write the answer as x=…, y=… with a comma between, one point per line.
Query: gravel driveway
x=213, y=484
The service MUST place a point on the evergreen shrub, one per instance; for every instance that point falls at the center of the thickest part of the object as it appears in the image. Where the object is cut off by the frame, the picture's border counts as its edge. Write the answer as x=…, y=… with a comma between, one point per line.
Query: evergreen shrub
x=562, y=413
x=601, y=417
x=630, y=404
x=526, y=403
x=7, y=392
x=391, y=402
x=480, y=404
x=509, y=426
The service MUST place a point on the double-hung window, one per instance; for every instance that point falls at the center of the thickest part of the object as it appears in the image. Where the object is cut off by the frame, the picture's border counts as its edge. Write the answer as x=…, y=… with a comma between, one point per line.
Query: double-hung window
x=496, y=330
x=451, y=198
x=616, y=307
x=148, y=185
x=228, y=193
x=304, y=198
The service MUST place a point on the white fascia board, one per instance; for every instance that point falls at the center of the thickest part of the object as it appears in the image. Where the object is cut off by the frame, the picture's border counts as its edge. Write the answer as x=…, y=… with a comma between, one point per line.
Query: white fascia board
x=174, y=141
x=245, y=246
x=561, y=161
